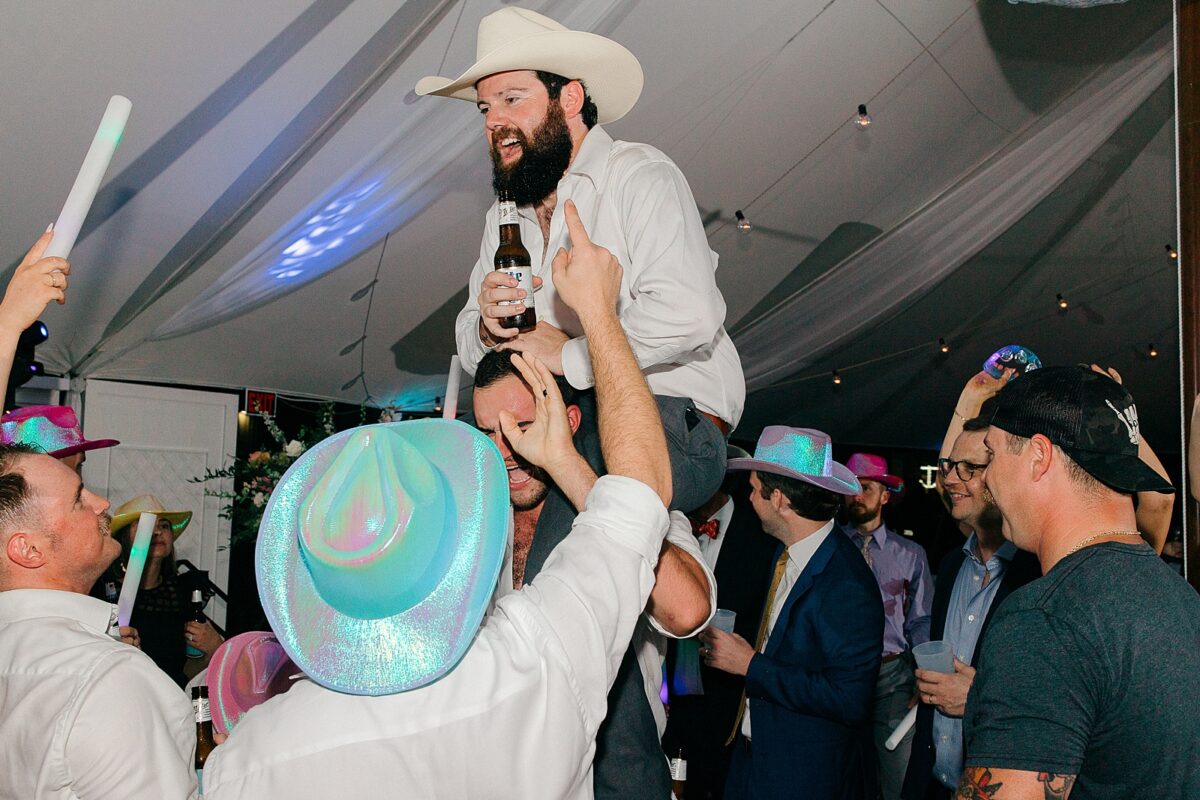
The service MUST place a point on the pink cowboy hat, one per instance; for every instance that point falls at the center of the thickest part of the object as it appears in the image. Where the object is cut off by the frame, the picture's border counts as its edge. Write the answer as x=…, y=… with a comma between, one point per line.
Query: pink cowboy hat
x=54, y=429
x=866, y=466
x=247, y=670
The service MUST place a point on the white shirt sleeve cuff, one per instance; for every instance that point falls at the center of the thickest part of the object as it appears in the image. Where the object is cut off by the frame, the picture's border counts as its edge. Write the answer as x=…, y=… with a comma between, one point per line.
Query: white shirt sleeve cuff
x=577, y=363
x=629, y=512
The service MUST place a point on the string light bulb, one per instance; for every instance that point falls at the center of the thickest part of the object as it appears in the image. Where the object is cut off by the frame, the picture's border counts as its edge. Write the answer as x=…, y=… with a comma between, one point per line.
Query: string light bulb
x=1152, y=351
x=945, y=348
x=743, y=224
x=1062, y=302
x=437, y=405
x=863, y=119
x=1172, y=253
x=837, y=379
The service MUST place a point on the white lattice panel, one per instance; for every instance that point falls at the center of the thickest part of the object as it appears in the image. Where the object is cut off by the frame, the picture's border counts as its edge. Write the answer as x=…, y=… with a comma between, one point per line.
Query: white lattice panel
x=168, y=436
x=164, y=473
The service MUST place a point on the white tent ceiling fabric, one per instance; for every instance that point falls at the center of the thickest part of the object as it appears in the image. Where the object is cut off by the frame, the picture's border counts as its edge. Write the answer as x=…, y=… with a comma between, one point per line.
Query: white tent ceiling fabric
x=377, y=195
x=903, y=264
x=238, y=239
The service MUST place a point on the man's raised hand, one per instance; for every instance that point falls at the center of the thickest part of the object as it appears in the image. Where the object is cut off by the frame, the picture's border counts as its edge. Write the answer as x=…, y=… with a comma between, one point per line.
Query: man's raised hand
x=547, y=441
x=588, y=276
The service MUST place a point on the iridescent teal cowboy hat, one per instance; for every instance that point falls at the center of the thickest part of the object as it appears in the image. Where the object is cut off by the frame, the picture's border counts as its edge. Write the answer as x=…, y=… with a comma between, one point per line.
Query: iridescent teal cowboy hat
x=800, y=453
x=379, y=550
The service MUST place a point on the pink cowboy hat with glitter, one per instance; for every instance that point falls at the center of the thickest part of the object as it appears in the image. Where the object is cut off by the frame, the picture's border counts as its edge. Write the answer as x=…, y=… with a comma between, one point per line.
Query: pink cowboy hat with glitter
x=54, y=429
x=874, y=468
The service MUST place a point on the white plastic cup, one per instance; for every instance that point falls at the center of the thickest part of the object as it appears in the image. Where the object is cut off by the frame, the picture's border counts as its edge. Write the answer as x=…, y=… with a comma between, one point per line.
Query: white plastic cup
x=936, y=656
x=724, y=619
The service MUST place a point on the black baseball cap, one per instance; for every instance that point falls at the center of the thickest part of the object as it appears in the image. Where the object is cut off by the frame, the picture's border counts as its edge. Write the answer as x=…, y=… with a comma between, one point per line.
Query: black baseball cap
x=1089, y=415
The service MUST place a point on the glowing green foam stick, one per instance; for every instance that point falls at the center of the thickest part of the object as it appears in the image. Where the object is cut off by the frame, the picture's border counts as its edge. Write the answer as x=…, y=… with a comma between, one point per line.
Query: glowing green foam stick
x=87, y=182
x=133, y=570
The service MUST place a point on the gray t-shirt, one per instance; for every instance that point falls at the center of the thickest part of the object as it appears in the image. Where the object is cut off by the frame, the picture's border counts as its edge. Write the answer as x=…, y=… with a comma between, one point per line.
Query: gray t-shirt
x=1091, y=671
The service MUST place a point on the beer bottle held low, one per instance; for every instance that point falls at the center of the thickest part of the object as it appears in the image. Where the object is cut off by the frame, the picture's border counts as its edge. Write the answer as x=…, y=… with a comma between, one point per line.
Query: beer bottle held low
x=204, y=730
x=197, y=615
x=513, y=259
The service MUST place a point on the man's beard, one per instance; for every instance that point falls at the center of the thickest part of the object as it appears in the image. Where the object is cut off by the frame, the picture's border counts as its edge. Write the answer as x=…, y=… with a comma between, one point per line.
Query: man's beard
x=858, y=513
x=535, y=493
x=544, y=159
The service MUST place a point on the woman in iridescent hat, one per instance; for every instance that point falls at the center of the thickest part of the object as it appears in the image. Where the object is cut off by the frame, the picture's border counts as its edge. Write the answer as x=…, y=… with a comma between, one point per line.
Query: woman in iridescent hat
x=162, y=610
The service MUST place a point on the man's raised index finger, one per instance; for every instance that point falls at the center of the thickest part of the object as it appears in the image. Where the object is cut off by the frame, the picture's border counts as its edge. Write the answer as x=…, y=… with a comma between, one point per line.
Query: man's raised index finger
x=578, y=233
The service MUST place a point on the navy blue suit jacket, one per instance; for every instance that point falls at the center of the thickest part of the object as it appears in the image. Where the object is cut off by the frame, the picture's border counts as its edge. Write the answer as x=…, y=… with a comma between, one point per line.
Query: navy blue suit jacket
x=810, y=692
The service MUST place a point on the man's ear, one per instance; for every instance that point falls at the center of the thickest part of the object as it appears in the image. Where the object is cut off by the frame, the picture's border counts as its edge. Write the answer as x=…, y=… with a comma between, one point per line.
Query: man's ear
x=885, y=494
x=571, y=97
x=1041, y=456
x=574, y=418
x=25, y=550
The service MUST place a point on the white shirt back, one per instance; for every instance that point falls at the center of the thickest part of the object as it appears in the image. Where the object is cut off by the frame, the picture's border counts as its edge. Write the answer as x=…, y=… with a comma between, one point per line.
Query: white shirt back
x=81, y=714
x=516, y=718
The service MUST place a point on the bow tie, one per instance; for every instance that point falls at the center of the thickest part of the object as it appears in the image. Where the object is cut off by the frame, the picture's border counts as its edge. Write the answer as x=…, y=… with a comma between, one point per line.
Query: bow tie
x=709, y=529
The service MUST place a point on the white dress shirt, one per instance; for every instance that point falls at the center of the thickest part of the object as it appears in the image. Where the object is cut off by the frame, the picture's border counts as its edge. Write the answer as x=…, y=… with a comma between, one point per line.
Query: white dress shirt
x=517, y=717
x=799, y=554
x=81, y=714
x=634, y=201
x=650, y=637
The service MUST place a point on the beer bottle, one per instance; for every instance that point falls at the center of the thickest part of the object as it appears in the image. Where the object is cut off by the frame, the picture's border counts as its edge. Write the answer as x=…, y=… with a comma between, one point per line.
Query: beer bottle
x=513, y=259
x=204, y=730
x=197, y=616
x=678, y=774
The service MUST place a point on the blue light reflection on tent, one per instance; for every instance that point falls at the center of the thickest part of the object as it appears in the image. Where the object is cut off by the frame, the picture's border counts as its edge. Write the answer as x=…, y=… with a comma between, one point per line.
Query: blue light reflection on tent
x=324, y=232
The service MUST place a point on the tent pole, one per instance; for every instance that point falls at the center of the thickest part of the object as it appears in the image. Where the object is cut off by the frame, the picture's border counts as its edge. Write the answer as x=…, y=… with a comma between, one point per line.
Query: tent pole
x=1187, y=83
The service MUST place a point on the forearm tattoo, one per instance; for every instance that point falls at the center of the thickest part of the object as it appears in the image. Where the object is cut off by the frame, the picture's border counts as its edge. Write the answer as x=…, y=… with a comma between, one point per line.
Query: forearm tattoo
x=978, y=783
x=1056, y=787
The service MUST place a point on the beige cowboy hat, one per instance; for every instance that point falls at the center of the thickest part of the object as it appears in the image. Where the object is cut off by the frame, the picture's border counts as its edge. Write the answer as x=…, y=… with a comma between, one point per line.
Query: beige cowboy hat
x=516, y=38
x=128, y=513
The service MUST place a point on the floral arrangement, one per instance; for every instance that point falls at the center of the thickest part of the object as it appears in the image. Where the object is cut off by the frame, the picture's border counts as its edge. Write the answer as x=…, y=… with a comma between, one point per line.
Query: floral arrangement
x=255, y=476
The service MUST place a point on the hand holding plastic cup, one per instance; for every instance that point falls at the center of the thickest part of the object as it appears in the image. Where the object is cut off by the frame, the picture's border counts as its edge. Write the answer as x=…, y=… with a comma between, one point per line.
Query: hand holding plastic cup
x=936, y=656
x=724, y=619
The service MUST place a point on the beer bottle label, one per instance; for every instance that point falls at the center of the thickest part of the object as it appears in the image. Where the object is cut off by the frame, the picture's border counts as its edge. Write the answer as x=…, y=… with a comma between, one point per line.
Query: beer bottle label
x=201, y=710
x=508, y=213
x=524, y=276
x=678, y=769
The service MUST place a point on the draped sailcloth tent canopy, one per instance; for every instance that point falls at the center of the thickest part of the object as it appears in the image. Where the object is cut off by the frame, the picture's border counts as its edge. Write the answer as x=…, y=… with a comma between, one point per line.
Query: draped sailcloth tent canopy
x=285, y=213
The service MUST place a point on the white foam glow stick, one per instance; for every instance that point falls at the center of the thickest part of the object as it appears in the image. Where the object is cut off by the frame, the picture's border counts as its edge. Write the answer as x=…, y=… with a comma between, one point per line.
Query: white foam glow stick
x=450, y=405
x=904, y=727
x=91, y=173
x=133, y=570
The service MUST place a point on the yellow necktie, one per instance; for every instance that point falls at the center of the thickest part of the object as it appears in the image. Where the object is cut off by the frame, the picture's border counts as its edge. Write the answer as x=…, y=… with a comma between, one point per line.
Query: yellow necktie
x=780, y=567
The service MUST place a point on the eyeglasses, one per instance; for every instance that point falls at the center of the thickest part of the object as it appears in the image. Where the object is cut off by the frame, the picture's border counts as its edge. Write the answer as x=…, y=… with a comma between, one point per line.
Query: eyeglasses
x=965, y=469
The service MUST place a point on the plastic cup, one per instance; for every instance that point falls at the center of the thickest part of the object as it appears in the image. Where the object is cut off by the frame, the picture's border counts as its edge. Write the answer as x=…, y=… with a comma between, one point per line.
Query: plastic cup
x=723, y=619
x=936, y=656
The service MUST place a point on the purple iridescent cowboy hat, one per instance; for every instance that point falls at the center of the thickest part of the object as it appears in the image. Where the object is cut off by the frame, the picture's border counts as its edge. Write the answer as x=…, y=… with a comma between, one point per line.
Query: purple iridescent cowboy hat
x=379, y=550
x=799, y=453
x=52, y=428
x=874, y=468
x=247, y=670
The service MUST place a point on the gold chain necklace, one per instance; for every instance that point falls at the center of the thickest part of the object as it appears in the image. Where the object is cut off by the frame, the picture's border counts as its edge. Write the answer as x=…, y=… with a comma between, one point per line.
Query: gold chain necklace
x=1096, y=536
